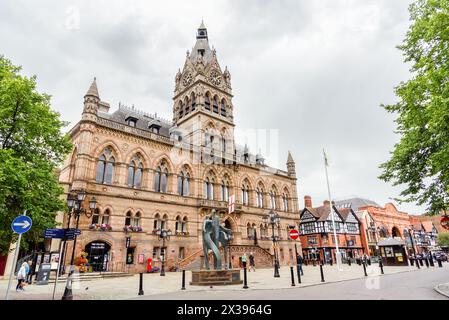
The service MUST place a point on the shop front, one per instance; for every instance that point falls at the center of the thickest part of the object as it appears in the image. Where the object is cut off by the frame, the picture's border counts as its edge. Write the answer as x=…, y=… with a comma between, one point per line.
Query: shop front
x=393, y=252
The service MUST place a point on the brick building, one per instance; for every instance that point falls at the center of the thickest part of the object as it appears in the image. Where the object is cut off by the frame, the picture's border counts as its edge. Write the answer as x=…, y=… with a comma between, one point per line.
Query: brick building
x=317, y=236
x=148, y=174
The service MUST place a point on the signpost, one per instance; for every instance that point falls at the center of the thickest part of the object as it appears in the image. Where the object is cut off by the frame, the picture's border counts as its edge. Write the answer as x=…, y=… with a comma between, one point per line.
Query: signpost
x=294, y=234
x=20, y=225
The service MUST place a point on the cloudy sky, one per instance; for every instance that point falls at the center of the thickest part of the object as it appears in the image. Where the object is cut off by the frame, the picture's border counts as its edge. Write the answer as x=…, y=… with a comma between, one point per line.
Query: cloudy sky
x=313, y=72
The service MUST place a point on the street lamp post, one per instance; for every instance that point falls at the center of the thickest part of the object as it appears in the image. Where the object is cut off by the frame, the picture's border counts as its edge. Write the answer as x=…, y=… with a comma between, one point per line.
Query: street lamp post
x=273, y=218
x=75, y=204
x=413, y=245
x=163, y=235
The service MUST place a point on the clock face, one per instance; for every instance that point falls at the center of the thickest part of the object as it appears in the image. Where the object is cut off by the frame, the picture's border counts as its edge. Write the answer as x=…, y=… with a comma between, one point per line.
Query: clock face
x=215, y=77
x=187, y=79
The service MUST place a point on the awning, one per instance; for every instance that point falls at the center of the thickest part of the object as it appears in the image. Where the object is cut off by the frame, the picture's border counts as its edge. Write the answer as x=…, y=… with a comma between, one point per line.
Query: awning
x=389, y=242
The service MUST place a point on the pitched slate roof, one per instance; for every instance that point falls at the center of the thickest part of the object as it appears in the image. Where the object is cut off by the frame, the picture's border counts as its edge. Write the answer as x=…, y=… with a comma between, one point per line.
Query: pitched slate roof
x=144, y=120
x=355, y=203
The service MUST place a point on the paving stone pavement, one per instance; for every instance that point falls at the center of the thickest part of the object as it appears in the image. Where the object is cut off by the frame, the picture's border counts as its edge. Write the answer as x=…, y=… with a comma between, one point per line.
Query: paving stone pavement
x=261, y=279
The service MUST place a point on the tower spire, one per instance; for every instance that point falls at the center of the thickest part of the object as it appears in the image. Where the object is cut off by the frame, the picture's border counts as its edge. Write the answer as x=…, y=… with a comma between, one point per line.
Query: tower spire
x=93, y=91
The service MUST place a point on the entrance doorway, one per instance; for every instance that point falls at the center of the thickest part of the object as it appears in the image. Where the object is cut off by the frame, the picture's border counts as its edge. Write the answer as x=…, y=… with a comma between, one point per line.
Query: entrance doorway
x=98, y=255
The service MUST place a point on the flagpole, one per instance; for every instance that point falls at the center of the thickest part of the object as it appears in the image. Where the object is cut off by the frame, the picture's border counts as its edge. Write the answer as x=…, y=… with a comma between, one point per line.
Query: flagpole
x=337, y=250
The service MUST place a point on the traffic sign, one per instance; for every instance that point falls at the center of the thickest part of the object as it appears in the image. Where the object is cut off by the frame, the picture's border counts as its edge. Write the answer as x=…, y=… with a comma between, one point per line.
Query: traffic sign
x=21, y=224
x=54, y=233
x=294, y=234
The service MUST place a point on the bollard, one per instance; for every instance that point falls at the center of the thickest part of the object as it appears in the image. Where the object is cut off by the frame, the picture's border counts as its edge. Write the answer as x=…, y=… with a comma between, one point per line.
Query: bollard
x=381, y=265
x=412, y=262
x=417, y=263
x=349, y=262
x=440, y=264
x=293, y=276
x=364, y=269
x=141, y=284
x=245, y=280
x=331, y=262
x=183, y=280
x=321, y=271
x=431, y=261
x=299, y=274
x=421, y=263
x=427, y=262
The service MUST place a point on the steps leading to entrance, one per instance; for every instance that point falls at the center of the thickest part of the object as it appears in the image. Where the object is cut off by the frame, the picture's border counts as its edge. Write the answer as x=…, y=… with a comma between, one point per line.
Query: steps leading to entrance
x=91, y=276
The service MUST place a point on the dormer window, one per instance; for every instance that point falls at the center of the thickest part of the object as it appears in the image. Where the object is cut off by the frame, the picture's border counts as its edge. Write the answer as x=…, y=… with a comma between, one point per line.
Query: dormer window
x=132, y=122
x=154, y=128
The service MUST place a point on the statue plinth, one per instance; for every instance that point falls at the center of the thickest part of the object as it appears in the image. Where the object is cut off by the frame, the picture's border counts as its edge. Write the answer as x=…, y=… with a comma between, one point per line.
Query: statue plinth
x=216, y=277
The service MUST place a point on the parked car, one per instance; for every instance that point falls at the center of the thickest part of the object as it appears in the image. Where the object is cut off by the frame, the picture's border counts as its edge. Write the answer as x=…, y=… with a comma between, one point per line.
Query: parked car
x=441, y=256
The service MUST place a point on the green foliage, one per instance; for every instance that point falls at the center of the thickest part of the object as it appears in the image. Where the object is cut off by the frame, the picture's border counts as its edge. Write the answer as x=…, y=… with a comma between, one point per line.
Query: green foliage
x=31, y=149
x=420, y=160
x=443, y=239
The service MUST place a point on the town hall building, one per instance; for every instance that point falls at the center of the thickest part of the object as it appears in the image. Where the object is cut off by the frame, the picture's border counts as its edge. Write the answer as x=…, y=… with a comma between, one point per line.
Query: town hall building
x=149, y=174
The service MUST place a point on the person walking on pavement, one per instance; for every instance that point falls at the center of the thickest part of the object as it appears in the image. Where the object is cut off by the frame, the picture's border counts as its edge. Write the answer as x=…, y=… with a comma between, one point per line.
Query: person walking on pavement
x=244, y=260
x=299, y=261
x=22, y=275
x=252, y=264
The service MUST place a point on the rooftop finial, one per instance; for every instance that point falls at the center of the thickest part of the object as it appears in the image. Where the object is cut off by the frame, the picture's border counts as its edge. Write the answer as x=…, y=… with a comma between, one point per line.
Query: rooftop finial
x=93, y=91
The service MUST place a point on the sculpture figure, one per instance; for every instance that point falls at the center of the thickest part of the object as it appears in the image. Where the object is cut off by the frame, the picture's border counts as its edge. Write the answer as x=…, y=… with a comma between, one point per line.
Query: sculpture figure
x=213, y=235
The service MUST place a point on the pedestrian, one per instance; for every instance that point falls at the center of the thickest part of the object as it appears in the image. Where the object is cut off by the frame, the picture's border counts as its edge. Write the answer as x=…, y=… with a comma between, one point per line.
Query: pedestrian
x=22, y=275
x=299, y=262
x=244, y=260
x=252, y=264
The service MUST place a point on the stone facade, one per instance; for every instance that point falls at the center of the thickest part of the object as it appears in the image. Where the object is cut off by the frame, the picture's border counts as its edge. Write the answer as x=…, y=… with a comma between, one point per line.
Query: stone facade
x=148, y=173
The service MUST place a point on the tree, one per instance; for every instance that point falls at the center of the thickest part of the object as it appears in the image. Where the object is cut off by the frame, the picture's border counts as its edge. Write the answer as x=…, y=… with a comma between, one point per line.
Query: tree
x=420, y=160
x=32, y=147
x=443, y=239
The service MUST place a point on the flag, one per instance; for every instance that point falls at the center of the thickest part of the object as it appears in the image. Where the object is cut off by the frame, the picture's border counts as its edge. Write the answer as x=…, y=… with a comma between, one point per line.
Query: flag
x=326, y=162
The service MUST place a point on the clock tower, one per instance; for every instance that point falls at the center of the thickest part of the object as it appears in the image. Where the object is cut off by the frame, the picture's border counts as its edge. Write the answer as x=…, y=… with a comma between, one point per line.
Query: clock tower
x=202, y=108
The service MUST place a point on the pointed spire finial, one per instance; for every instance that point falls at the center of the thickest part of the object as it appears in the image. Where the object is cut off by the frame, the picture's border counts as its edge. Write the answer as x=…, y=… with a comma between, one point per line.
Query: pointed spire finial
x=290, y=158
x=93, y=91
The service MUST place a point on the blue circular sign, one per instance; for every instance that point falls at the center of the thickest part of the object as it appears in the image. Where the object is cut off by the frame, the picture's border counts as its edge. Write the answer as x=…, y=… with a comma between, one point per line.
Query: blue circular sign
x=21, y=224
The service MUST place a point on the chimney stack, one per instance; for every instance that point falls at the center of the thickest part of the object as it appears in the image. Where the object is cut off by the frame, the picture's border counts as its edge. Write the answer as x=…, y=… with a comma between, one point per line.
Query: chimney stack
x=308, y=201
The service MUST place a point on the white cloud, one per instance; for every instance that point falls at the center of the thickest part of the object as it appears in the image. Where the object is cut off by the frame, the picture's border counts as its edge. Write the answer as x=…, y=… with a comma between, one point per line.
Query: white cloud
x=317, y=71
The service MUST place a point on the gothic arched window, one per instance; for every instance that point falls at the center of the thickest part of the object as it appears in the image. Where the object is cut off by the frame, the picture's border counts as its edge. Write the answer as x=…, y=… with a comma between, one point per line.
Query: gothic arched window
x=223, y=108
x=207, y=101
x=209, y=188
x=128, y=218
x=272, y=200
x=105, y=167
x=193, y=101
x=245, y=193
x=178, y=224
x=187, y=106
x=157, y=221
x=224, y=191
x=135, y=170
x=285, y=202
x=215, y=102
x=136, y=220
x=181, y=109
x=259, y=196
x=161, y=178
x=184, y=183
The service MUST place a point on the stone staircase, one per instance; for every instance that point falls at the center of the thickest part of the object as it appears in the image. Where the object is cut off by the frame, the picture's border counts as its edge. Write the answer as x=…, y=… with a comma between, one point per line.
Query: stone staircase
x=90, y=276
x=192, y=262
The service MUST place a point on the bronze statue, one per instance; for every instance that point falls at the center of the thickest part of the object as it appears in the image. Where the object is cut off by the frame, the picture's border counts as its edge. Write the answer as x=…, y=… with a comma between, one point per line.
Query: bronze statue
x=213, y=235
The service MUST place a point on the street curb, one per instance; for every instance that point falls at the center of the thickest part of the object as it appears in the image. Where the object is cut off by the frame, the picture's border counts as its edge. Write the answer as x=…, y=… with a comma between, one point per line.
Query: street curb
x=287, y=288
x=437, y=289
